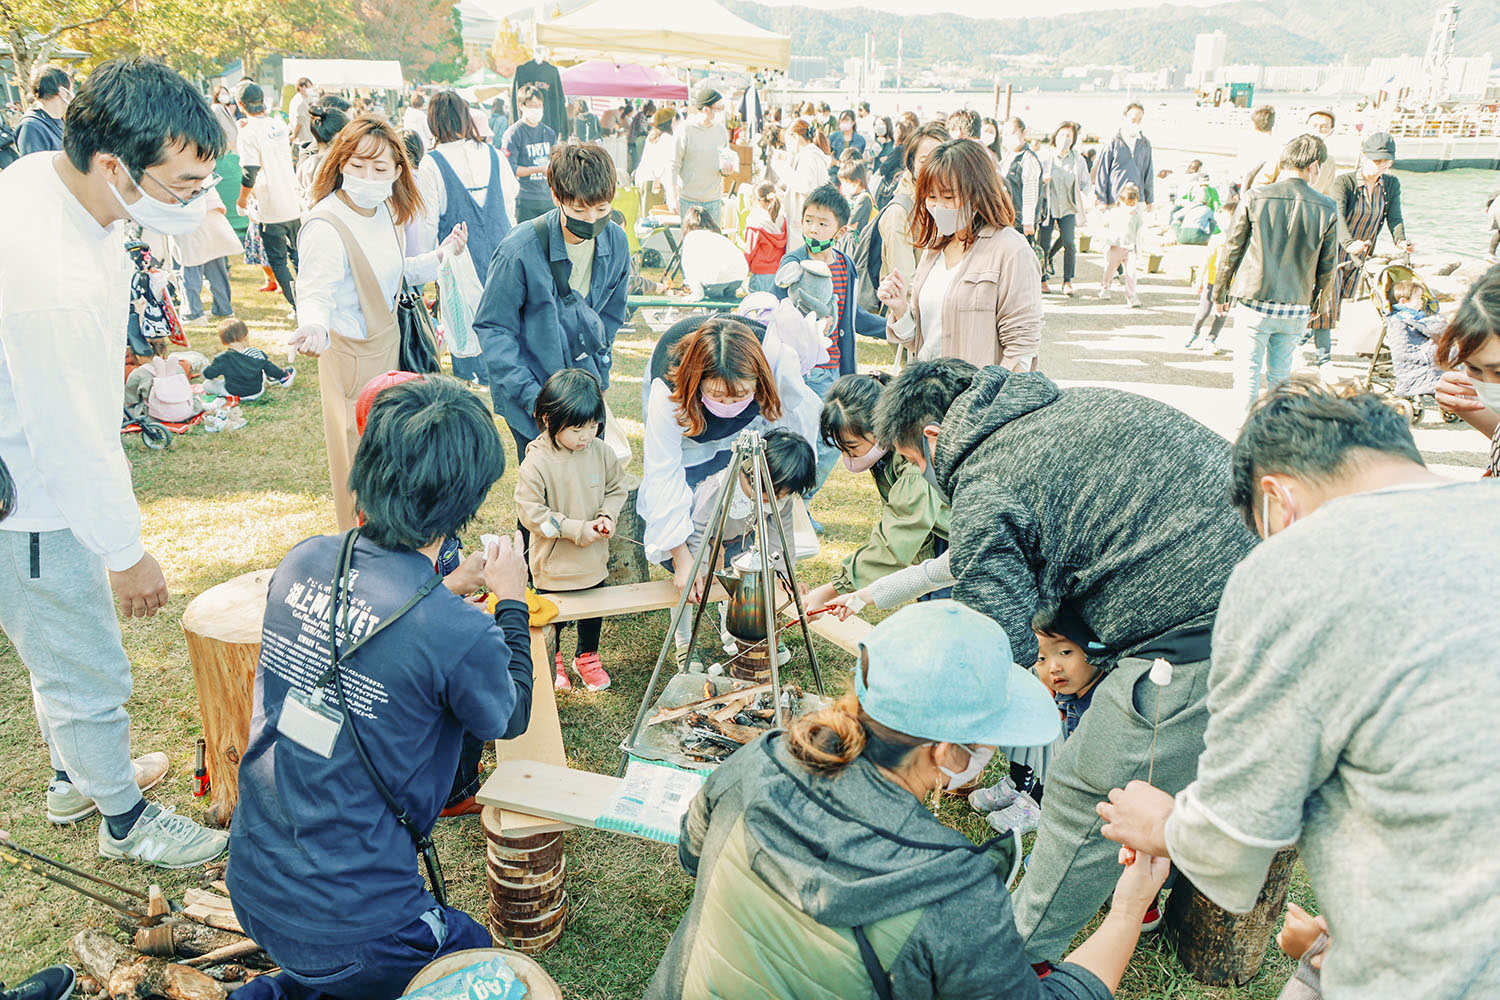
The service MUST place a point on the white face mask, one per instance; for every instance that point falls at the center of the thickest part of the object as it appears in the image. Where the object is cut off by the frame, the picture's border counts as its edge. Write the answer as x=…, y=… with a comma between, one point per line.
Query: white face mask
x=531, y=115
x=948, y=220
x=367, y=192
x=1131, y=131
x=1489, y=393
x=160, y=217
x=977, y=760
x=226, y=99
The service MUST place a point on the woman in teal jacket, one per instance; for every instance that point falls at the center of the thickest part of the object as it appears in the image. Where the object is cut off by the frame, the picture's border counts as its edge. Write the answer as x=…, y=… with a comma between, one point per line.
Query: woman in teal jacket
x=822, y=874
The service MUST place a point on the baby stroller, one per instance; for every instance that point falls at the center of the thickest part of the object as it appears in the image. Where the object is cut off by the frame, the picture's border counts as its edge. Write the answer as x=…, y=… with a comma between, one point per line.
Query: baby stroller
x=157, y=286
x=1382, y=376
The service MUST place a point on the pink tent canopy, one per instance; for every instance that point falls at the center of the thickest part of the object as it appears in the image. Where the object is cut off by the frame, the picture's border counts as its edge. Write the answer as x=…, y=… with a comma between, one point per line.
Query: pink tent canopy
x=600, y=78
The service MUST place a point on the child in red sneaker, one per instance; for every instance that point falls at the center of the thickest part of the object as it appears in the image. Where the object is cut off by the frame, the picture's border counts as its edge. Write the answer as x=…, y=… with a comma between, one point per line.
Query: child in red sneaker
x=569, y=495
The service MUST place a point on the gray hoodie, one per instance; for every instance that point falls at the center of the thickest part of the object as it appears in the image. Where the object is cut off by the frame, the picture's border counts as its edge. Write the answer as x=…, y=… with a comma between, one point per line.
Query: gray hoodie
x=1111, y=502
x=849, y=850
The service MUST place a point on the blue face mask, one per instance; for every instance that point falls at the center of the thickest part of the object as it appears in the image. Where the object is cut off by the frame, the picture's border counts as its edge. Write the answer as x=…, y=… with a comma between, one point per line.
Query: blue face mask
x=929, y=473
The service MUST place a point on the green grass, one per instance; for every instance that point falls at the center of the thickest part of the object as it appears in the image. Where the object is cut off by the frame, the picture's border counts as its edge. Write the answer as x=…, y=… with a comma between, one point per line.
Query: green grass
x=215, y=506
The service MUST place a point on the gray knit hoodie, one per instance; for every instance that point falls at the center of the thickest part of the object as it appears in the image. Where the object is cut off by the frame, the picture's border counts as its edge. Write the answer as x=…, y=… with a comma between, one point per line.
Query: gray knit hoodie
x=1111, y=502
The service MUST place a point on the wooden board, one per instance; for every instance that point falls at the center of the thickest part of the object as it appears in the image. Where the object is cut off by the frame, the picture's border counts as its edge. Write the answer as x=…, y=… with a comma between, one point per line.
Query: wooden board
x=533, y=788
x=626, y=599
x=541, y=742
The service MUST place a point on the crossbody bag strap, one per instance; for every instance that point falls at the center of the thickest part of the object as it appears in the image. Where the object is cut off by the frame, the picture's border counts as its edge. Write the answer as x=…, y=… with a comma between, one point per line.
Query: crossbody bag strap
x=421, y=840
x=372, y=301
x=880, y=978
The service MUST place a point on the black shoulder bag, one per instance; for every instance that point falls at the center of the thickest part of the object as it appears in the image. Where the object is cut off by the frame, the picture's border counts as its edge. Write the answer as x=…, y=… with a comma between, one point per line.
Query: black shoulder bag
x=419, y=351
x=423, y=841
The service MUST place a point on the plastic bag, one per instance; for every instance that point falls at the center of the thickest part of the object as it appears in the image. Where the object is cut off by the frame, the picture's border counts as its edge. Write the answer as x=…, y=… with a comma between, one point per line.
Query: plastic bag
x=459, y=289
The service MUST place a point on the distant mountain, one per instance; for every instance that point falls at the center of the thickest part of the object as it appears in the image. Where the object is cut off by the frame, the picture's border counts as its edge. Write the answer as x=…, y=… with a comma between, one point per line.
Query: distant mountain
x=1268, y=32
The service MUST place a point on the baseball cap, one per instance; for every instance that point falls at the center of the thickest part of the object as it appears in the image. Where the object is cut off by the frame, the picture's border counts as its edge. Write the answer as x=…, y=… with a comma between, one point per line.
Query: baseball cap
x=373, y=388
x=1379, y=146
x=938, y=670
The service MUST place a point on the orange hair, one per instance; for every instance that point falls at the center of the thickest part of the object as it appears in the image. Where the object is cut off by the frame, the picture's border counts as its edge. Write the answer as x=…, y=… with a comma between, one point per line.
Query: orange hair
x=405, y=202
x=722, y=348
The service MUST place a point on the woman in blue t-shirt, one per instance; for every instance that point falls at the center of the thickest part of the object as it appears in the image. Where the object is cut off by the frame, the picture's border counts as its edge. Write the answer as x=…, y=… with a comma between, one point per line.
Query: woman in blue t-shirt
x=322, y=871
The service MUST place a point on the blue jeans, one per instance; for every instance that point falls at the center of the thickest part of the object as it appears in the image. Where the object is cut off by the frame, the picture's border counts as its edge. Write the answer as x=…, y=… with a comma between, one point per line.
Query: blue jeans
x=820, y=380
x=217, y=273
x=378, y=969
x=762, y=282
x=1267, y=347
x=714, y=208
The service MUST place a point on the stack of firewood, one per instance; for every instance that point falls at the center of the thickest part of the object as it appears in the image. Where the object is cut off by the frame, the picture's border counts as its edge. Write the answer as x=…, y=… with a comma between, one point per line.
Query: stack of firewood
x=197, y=953
x=527, y=878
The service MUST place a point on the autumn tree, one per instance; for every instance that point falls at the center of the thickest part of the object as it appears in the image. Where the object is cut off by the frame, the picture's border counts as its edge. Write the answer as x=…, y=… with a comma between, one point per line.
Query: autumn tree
x=34, y=27
x=423, y=34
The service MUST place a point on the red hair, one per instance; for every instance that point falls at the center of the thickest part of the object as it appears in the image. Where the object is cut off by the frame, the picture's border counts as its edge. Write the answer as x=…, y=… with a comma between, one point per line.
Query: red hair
x=722, y=348
x=966, y=170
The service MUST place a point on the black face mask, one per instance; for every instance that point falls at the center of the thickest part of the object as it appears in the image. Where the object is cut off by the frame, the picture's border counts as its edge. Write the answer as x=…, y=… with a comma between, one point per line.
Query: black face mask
x=585, y=230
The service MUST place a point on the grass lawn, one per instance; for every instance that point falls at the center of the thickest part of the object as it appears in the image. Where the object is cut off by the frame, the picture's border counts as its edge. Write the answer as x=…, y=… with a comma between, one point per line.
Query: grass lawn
x=215, y=506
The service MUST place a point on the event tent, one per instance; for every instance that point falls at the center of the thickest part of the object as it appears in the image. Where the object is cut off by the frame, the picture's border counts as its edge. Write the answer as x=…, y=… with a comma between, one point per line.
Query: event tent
x=601, y=78
x=340, y=74
x=696, y=33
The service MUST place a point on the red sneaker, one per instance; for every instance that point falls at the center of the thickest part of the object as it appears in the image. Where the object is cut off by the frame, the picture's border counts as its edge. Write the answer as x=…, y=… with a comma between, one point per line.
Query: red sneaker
x=592, y=671
x=1152, y=920
x=467, y=807
x=1042, y=969
x=560, y=681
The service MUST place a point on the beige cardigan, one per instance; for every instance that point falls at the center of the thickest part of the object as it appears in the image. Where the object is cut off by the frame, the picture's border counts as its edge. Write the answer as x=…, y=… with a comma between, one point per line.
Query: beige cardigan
x=992, y=313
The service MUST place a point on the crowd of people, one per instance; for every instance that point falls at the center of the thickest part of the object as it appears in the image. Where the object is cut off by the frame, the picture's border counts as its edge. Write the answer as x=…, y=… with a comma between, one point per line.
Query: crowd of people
x=1136, y=613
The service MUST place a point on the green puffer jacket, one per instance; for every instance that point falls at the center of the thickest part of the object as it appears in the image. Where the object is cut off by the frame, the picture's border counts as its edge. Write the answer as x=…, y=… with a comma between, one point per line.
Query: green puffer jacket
x=789, y=863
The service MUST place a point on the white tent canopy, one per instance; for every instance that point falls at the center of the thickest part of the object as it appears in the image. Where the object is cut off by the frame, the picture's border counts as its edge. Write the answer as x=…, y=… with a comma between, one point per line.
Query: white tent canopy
x=698, y=33
x=337, y=74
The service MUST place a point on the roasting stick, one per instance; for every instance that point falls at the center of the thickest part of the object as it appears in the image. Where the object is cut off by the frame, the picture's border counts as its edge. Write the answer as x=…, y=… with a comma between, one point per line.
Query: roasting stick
x=19, y=862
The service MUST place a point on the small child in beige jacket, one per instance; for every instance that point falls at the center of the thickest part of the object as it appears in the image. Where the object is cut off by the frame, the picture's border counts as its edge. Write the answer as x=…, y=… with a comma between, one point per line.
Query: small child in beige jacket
x=569, y=495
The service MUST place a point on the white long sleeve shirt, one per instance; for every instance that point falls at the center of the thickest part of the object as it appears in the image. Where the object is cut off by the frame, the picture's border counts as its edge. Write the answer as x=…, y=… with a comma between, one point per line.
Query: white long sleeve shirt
x=64, y=299
x=664, y=501
x=326, y=295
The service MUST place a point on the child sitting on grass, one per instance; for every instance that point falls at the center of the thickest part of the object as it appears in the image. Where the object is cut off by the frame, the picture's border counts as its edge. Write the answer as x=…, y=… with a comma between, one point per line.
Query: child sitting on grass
x=568, y=495
x=242, y=370
x=792, y=466
x=1411, y=332
x=1070, y=661
x=713, y=267
x=1123, y=223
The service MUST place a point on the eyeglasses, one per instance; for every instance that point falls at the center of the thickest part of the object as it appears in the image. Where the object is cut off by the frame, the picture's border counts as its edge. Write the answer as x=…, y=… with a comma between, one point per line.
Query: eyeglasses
x=209, y=182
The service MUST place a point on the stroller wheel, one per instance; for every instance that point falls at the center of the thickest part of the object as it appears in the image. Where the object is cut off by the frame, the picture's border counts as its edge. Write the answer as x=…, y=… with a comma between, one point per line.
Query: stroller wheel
x=650, y=258
x=155, y=436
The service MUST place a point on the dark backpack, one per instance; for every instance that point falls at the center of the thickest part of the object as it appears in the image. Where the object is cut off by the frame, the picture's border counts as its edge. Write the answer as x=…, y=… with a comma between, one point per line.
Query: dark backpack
x=1013, y=179
x=8, y=152
x=868, y=250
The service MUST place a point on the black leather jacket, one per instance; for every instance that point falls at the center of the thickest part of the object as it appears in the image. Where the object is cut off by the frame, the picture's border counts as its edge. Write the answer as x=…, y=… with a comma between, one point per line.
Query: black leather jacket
x=1282, y=245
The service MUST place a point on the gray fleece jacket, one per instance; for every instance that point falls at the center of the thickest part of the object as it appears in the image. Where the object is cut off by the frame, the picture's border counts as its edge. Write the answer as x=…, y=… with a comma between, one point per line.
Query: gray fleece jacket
x=787, y=862
x=1111, y=502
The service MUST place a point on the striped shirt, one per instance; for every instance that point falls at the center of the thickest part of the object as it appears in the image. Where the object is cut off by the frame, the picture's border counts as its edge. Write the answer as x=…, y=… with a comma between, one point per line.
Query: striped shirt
x=838, y=265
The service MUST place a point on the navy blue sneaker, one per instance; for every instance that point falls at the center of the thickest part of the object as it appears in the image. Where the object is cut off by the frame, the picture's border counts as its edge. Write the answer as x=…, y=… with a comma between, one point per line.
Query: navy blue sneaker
x=53, y=983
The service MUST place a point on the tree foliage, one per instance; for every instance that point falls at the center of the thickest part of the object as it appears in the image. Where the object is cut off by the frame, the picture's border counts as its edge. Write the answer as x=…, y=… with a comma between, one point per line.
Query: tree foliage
x=423, y=34
x=33, y=28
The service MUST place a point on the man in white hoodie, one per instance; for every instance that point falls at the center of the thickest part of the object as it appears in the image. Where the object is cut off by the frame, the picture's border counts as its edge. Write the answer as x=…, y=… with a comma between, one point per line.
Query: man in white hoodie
x=140, y=143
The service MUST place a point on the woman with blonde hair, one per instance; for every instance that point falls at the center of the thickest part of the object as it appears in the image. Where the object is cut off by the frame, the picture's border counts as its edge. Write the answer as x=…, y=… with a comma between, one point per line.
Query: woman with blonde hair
x=977, y=294
x=353, y=262
x=820, y=870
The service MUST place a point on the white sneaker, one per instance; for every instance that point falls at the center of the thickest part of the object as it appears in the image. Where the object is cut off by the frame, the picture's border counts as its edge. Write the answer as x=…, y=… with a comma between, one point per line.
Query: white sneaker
x=1104, y=294
x=66, y=804
x=162, y=838
x=1023, y=815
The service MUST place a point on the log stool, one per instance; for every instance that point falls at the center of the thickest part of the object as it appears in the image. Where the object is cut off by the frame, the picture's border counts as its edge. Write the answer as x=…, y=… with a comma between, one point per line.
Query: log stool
x=1221, y=948
x=527, y=877
x=223, y=626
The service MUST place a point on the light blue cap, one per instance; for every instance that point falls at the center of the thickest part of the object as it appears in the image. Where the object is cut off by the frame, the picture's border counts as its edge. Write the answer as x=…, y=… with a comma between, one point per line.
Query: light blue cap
x=941, y=671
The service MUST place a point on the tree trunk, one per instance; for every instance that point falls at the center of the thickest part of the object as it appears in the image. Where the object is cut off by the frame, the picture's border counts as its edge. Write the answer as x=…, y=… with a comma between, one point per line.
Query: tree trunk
x=1221, y=948
x=627, y=560
x=129, y=975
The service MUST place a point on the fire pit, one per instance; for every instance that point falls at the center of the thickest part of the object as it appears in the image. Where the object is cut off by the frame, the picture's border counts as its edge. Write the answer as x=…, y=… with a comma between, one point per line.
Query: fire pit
x=699, y=721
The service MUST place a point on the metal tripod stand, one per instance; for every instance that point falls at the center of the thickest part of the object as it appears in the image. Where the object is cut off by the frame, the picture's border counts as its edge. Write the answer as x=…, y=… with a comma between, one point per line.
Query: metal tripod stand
x=749, y=450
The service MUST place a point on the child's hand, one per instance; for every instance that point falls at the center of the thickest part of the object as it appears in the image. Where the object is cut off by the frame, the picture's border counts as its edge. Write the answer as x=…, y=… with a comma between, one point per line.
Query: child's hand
x=589, y=533
x=1299, y=932
x=603, y=524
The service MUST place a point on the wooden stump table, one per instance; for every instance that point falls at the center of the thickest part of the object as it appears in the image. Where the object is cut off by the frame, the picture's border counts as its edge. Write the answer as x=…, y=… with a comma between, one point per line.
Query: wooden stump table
x=223, y=626
x=1221, y=948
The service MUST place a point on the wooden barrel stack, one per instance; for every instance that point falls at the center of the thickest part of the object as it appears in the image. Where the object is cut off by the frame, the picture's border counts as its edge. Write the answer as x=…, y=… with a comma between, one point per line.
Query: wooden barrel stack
x=527, y=876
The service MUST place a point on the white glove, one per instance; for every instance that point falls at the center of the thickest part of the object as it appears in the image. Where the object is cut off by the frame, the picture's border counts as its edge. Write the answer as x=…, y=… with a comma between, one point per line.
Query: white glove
x=310, y=339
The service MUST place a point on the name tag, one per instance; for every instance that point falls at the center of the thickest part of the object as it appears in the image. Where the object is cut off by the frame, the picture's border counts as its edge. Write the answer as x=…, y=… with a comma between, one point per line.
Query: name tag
x=309, y=722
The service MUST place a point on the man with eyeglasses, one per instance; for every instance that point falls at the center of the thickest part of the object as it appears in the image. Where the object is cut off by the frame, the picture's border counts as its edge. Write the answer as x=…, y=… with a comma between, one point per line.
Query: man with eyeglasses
x=140, y=144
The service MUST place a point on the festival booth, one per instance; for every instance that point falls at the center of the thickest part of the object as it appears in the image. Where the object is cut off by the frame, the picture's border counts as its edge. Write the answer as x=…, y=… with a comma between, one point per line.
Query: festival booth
x=699, y=34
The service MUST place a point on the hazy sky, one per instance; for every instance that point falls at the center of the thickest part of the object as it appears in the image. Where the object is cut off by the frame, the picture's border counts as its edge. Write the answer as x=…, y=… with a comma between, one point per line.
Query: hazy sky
x=984, y=8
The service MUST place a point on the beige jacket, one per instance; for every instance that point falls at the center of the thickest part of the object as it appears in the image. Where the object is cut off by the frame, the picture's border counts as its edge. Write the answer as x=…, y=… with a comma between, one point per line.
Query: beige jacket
x=568, y=489
x=992, y=313
x=896, y=251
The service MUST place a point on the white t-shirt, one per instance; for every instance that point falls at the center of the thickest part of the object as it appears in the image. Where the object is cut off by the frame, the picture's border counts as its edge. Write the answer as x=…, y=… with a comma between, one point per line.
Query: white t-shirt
x=265, y=142
x=326, y=295
x=64, y=298
x=711, y=259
